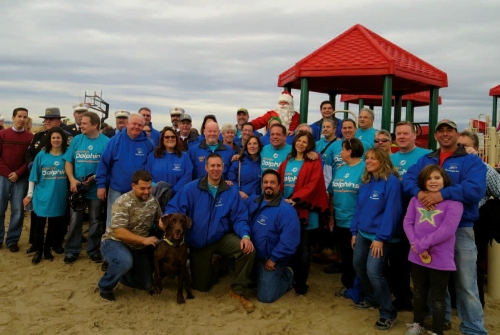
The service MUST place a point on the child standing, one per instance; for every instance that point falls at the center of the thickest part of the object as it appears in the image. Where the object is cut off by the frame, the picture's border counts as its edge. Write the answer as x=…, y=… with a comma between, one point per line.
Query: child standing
x=431, y=232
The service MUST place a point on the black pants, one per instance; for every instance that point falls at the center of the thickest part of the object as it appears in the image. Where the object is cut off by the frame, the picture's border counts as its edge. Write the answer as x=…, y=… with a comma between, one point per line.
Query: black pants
x=58, y=238
x=399, y=271
x=55, y=224
x=33, y=220
x=301, y=260
x=343, y=240
x=430, y=283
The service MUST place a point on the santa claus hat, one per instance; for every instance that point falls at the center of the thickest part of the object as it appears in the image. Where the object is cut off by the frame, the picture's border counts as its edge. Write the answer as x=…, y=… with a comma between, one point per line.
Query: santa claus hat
x=286, y=96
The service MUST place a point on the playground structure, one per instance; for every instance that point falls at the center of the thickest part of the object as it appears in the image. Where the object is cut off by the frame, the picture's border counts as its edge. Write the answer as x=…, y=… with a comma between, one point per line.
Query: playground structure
x=96, y=103
x=489, y=139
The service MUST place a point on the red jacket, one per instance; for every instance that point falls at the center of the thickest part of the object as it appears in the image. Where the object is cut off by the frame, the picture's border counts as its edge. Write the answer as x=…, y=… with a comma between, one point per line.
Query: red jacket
x=262, y=121
x=309, y=192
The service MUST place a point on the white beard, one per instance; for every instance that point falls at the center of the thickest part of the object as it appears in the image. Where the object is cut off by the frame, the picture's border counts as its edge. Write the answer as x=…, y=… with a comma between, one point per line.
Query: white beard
x=286, y=113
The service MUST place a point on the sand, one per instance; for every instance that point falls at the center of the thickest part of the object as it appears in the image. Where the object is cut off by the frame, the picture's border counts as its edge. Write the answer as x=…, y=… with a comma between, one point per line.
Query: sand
x=56, y=298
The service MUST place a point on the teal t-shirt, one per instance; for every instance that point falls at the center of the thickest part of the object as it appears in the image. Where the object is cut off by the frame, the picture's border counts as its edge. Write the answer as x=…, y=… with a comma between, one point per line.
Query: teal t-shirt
x=51, y=185
x=85, y=153
x=345, y=188
x=321, y=144
x=213, y=190
x=403, y=161
x=213, y=147
x=333, y=157
x=272, y=158
x=367, y=136
x=291, y=173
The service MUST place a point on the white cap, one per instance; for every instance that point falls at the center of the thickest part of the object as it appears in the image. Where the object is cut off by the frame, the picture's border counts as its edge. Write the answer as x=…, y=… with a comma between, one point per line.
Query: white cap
x=122, y=113
x=177, y=111
x=81, y=107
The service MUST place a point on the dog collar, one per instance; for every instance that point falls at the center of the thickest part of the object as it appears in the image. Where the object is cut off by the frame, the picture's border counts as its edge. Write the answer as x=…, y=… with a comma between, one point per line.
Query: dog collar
x=172, y=243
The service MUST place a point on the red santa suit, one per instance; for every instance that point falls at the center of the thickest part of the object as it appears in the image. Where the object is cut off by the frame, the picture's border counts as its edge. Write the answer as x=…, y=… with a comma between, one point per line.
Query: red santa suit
x=289, y=118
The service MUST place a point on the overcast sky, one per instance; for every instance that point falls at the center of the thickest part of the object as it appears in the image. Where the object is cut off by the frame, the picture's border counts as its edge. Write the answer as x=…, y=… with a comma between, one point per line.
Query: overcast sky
x=220, y=55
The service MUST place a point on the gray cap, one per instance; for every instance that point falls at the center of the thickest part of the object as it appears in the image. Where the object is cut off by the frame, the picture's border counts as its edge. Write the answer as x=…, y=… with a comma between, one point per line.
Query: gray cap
x=185, y=117
x=446, y=122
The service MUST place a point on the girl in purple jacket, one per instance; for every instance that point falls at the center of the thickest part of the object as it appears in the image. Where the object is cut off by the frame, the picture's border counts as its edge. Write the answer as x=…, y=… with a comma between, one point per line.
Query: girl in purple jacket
x=431, y=232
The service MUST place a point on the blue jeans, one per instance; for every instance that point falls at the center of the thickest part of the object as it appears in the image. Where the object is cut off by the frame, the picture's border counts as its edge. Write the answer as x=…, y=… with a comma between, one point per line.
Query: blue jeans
x=128, y=266
x=370, y=273
x=111, y=197
x=271, y=285
x=15, y=193
x=74, y=241
x=469, y=308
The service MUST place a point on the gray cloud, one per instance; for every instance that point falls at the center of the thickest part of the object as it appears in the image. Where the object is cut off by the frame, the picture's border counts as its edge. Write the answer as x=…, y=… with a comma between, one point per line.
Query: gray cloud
x=223, y=55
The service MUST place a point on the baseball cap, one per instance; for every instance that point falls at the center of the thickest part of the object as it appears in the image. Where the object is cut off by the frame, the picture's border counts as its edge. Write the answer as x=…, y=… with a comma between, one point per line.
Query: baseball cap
x=447, y=122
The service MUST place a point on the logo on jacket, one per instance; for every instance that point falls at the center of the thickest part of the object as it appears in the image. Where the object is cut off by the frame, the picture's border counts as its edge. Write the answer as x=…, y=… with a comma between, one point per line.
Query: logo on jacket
x=402, y=162
x=262, y=220
x=90, y=147
x=177, y=167
x=201, y=159
x=453, y=168
x=375, y=196
x=140, y=152
x=275, y=156
x=56, y=163
x=219, y=203
x=347, y=175
x=294, y=169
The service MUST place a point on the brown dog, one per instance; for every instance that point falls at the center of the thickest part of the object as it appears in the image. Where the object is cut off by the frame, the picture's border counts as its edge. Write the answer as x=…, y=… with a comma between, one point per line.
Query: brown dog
x=171, y=255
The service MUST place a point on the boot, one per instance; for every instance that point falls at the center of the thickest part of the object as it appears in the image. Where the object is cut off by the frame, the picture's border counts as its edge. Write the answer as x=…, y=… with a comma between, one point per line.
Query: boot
x=37, y=258
x=48, y=255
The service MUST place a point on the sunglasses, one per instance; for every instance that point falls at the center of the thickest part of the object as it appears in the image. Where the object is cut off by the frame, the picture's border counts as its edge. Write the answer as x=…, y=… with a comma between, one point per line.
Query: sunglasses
x=382, y=140
x=169, y=137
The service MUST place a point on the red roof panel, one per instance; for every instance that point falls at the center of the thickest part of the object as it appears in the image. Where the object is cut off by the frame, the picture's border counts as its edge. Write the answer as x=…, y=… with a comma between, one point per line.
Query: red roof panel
x=495, y=91
x=419, y=99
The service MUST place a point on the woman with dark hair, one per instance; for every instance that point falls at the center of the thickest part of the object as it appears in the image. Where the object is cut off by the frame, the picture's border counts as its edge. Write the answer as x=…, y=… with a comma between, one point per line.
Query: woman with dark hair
x=343, y=191
x=168, y=162
x=48, y=189
x=432, y=238
x=373, y=228
x=303, y=187
x=245, y=172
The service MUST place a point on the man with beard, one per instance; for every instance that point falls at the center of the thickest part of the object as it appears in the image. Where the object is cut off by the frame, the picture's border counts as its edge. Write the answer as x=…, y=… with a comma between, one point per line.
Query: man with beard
x=175, y=116
x=326, y=109
x=276, y=152
x=284, y=110
x=276, y=235
x=211, y=144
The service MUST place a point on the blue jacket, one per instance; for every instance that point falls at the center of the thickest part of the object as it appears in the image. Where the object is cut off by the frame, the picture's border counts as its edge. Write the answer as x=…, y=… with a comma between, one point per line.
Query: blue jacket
x=379, y=208
x=317, y=129
x=468, y=177
x=198, y=154
x=175, y=170
x=212, y=217
x=121, y=158
x=275, y=228
x=155, y=135
x=250, y=175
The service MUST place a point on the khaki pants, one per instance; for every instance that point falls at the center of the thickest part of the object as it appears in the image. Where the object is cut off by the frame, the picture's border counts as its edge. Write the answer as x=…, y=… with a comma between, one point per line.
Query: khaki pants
x=204, y=275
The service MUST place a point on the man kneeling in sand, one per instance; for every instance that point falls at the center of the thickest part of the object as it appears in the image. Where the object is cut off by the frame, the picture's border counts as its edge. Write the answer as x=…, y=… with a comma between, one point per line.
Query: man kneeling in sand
x=124, y=241
x=220, y=226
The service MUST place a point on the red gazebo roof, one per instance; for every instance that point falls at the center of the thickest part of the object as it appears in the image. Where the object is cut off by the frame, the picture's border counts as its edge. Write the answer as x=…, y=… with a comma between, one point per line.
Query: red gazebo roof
x=495, y=91
x=356, y=61
x=419, y=99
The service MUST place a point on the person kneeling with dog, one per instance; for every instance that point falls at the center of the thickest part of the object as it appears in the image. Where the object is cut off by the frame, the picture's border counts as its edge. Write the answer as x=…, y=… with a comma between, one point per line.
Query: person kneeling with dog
x=124, y=241
x=276, y=234
x=219, y=226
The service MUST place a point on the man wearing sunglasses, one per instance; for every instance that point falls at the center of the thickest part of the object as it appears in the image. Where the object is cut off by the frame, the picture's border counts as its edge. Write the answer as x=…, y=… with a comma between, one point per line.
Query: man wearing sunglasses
x=383, y=140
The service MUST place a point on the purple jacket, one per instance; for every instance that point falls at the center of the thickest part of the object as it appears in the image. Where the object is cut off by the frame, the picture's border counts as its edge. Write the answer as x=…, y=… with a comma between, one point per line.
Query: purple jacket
x=433, y=231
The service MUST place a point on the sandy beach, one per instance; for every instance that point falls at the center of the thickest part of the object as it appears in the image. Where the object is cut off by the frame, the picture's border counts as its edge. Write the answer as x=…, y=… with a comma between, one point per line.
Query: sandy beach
x=56, y=298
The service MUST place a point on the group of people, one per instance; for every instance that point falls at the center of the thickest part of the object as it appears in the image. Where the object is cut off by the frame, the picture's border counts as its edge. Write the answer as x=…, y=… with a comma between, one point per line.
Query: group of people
x=392, y=217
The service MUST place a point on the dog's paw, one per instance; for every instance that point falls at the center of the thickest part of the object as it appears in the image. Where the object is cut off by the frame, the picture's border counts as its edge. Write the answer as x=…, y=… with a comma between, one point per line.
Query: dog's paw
x=180, y=299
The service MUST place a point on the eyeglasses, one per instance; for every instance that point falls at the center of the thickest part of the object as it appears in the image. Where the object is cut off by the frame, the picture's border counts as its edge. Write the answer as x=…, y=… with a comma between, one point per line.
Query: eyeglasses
x=382, y=140
x=167, y=137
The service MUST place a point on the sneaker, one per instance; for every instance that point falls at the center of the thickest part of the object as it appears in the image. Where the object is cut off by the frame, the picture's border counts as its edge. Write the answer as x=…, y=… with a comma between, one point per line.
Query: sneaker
x=107, y=296
x=415, y=329
x=96, y=258
x=69, y=259
x=341, y=292
x=384, y=324
x=247, y=305
x=363, y=305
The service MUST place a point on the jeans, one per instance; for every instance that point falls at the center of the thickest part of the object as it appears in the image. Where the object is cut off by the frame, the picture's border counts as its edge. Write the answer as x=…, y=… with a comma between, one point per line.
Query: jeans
x=370, y=273
x=111, y=198
x=74, y=240
x=271, y=285
x=15, y=192
x=301, y=260
x=430, y=284
x=128, y=266
x=469, y=308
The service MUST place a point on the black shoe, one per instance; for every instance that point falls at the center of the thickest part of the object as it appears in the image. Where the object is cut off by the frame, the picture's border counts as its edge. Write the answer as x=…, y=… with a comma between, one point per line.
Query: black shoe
x=107, y=296
x=58, y=250
x=301, y=290
x=104, y=266
x=14, y=247
x=69, y=259
x=37, y=258
x=332, y=268
x=96, y=258
x=48, y=256
x=84, y=239
x=31, y=249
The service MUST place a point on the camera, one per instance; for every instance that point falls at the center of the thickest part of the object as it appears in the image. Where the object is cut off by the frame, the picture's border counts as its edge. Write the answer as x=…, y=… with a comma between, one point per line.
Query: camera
x=77, y=199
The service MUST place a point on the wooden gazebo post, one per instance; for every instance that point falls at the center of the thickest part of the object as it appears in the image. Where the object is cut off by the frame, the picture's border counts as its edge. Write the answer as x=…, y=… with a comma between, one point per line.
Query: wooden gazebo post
x=387, y=103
